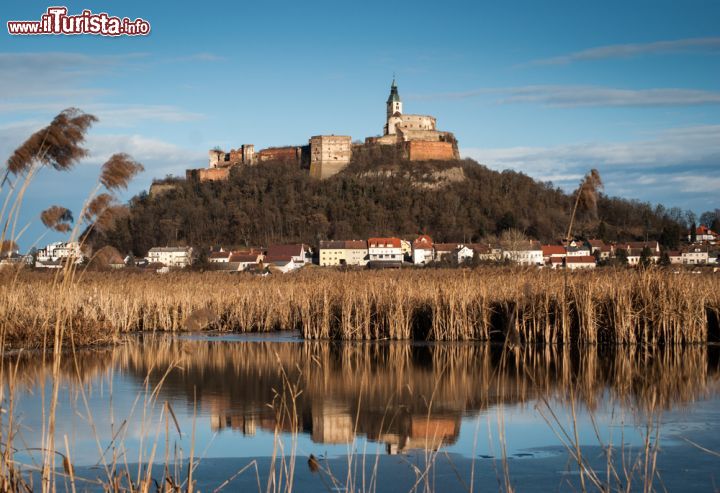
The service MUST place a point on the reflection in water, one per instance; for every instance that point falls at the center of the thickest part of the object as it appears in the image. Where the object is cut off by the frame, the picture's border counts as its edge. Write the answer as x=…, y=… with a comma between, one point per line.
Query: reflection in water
x=406, y=396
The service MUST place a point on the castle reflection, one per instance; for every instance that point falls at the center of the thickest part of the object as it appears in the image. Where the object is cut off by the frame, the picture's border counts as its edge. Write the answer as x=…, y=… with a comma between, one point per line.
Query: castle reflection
x=406, y=396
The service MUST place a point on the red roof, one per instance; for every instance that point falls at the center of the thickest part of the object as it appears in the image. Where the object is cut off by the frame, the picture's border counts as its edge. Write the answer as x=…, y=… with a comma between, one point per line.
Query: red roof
x=423, y=241
x=596, y=243
x=704, y=230
x=583, y=259
x=382, y=242
x=479, y=247
x=295, y=250
x=276, y=259
x=549, y=250
x=244, y=257
x=446, y=247
x=219, y=255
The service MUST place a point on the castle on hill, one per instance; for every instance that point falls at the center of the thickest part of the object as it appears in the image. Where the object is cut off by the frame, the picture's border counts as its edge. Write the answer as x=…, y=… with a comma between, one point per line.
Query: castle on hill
x=416, y=136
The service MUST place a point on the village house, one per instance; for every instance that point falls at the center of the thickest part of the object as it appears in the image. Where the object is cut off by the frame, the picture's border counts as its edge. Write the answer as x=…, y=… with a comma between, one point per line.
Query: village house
x=527, y=253
x=600, y=248
x=576, y=262
x=704, y=234
x=445, y=249
x=221, y=257
x=287, y=258
x=241, y=260
x=553, y=252
x=54, y=255
x=422, y=250
x=486, y=252
x=594, y=245
x=675, y=256
x=406, y=247
x=464, y=253
x=385, y=250
x=695, y=256
x=343, y=252
x=654, y=246
x=175, y=257
x=575, y=249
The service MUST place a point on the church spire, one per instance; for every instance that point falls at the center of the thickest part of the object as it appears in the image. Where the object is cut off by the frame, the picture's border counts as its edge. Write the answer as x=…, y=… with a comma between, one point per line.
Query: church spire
x=394, y=96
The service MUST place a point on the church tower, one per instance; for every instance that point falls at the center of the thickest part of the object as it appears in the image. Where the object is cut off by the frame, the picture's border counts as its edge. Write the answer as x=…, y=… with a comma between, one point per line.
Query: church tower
x=394, y=109
x=394, y=105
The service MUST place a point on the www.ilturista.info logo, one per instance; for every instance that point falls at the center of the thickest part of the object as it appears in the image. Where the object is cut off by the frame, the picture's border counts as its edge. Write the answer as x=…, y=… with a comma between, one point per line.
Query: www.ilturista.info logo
x=57, y=21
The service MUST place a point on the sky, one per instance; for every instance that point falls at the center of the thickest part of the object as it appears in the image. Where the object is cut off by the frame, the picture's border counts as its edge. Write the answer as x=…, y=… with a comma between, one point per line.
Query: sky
x=550, y=89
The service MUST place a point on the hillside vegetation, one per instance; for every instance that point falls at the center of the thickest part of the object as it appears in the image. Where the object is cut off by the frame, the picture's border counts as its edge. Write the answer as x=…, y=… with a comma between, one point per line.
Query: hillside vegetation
x=378, y=194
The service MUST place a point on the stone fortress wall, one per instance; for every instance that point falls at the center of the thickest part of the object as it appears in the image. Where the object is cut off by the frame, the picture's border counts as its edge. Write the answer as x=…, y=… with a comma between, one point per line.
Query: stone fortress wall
x=329, y=154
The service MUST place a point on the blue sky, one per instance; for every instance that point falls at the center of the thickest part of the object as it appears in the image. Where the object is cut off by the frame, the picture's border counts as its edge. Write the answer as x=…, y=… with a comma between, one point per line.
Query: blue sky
x=547, y=88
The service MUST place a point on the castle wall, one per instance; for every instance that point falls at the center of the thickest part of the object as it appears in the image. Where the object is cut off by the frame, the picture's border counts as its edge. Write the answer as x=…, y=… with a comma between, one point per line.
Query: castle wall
x=329, y=154
x=418, y=122
x=208, y=174
x=157, y=189
x=419, y=150
x=289, y=154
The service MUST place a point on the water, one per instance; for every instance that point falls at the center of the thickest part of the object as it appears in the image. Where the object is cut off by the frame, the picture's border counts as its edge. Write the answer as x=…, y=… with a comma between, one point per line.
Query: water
x=388, y=409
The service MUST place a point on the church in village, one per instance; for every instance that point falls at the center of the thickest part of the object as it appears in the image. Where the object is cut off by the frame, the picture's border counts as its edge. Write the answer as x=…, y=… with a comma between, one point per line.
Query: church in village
x=416, y=136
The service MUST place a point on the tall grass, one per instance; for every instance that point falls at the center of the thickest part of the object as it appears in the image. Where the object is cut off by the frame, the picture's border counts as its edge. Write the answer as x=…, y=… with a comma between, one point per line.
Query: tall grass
x=609, y=306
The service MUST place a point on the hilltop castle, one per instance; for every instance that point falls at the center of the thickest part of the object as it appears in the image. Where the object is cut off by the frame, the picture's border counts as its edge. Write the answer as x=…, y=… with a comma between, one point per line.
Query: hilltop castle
x=416, y=136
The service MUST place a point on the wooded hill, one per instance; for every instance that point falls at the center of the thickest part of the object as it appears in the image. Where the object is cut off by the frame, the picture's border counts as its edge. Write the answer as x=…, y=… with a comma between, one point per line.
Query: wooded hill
x=378, y=194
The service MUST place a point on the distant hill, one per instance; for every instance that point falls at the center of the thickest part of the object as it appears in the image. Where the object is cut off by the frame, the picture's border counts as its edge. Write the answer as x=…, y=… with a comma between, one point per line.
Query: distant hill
x=377, y=194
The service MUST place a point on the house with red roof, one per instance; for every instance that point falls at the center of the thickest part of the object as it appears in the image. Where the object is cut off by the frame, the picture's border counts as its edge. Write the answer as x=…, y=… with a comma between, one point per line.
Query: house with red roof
x=703, y=234
x=553, y=252
x=576, y=262
x=422, y=250
x=385, y=250
x=443, y=249
x=288, y=257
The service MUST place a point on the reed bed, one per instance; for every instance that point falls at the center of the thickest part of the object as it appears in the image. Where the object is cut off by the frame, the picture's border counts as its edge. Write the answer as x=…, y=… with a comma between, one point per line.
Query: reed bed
x=534, y=307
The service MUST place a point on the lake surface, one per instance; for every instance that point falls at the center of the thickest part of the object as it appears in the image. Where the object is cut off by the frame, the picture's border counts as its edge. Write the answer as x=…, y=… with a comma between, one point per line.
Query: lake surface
x=379, y=416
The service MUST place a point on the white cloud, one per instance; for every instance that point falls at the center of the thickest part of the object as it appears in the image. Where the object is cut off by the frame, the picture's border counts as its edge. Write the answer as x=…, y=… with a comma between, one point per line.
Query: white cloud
x=672, y=147
x=676, y=166
x=709, y=44
x=568, y=96
x=573, y=96
x=697, y=184
x=50, y=75
x=143, y=149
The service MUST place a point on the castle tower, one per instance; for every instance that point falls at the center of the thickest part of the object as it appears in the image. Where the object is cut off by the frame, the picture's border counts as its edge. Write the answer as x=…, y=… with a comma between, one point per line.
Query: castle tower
x=394, y=109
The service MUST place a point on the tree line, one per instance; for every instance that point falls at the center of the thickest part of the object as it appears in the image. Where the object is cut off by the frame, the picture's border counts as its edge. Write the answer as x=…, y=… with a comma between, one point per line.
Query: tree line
x=377, y=194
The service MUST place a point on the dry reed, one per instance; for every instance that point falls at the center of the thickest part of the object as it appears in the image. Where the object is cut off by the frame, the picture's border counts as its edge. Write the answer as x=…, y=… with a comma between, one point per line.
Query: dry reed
x=609, y=306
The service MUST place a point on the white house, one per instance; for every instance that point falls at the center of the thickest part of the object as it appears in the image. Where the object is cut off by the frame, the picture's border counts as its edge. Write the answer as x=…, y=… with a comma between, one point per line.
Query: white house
x=181, y=256
x=574, y=262
x=675, y=257
x=575, y=249
x=288, y=257
x=525, y=253
x=221, y=257
x=695, y=256
x=704, y=234
x=443, y=249
x=422, y=250
x=55, y=254
x=343, y=252
x=485, y=251
x=553, y=252
x=464, y=254
x=385, y=250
